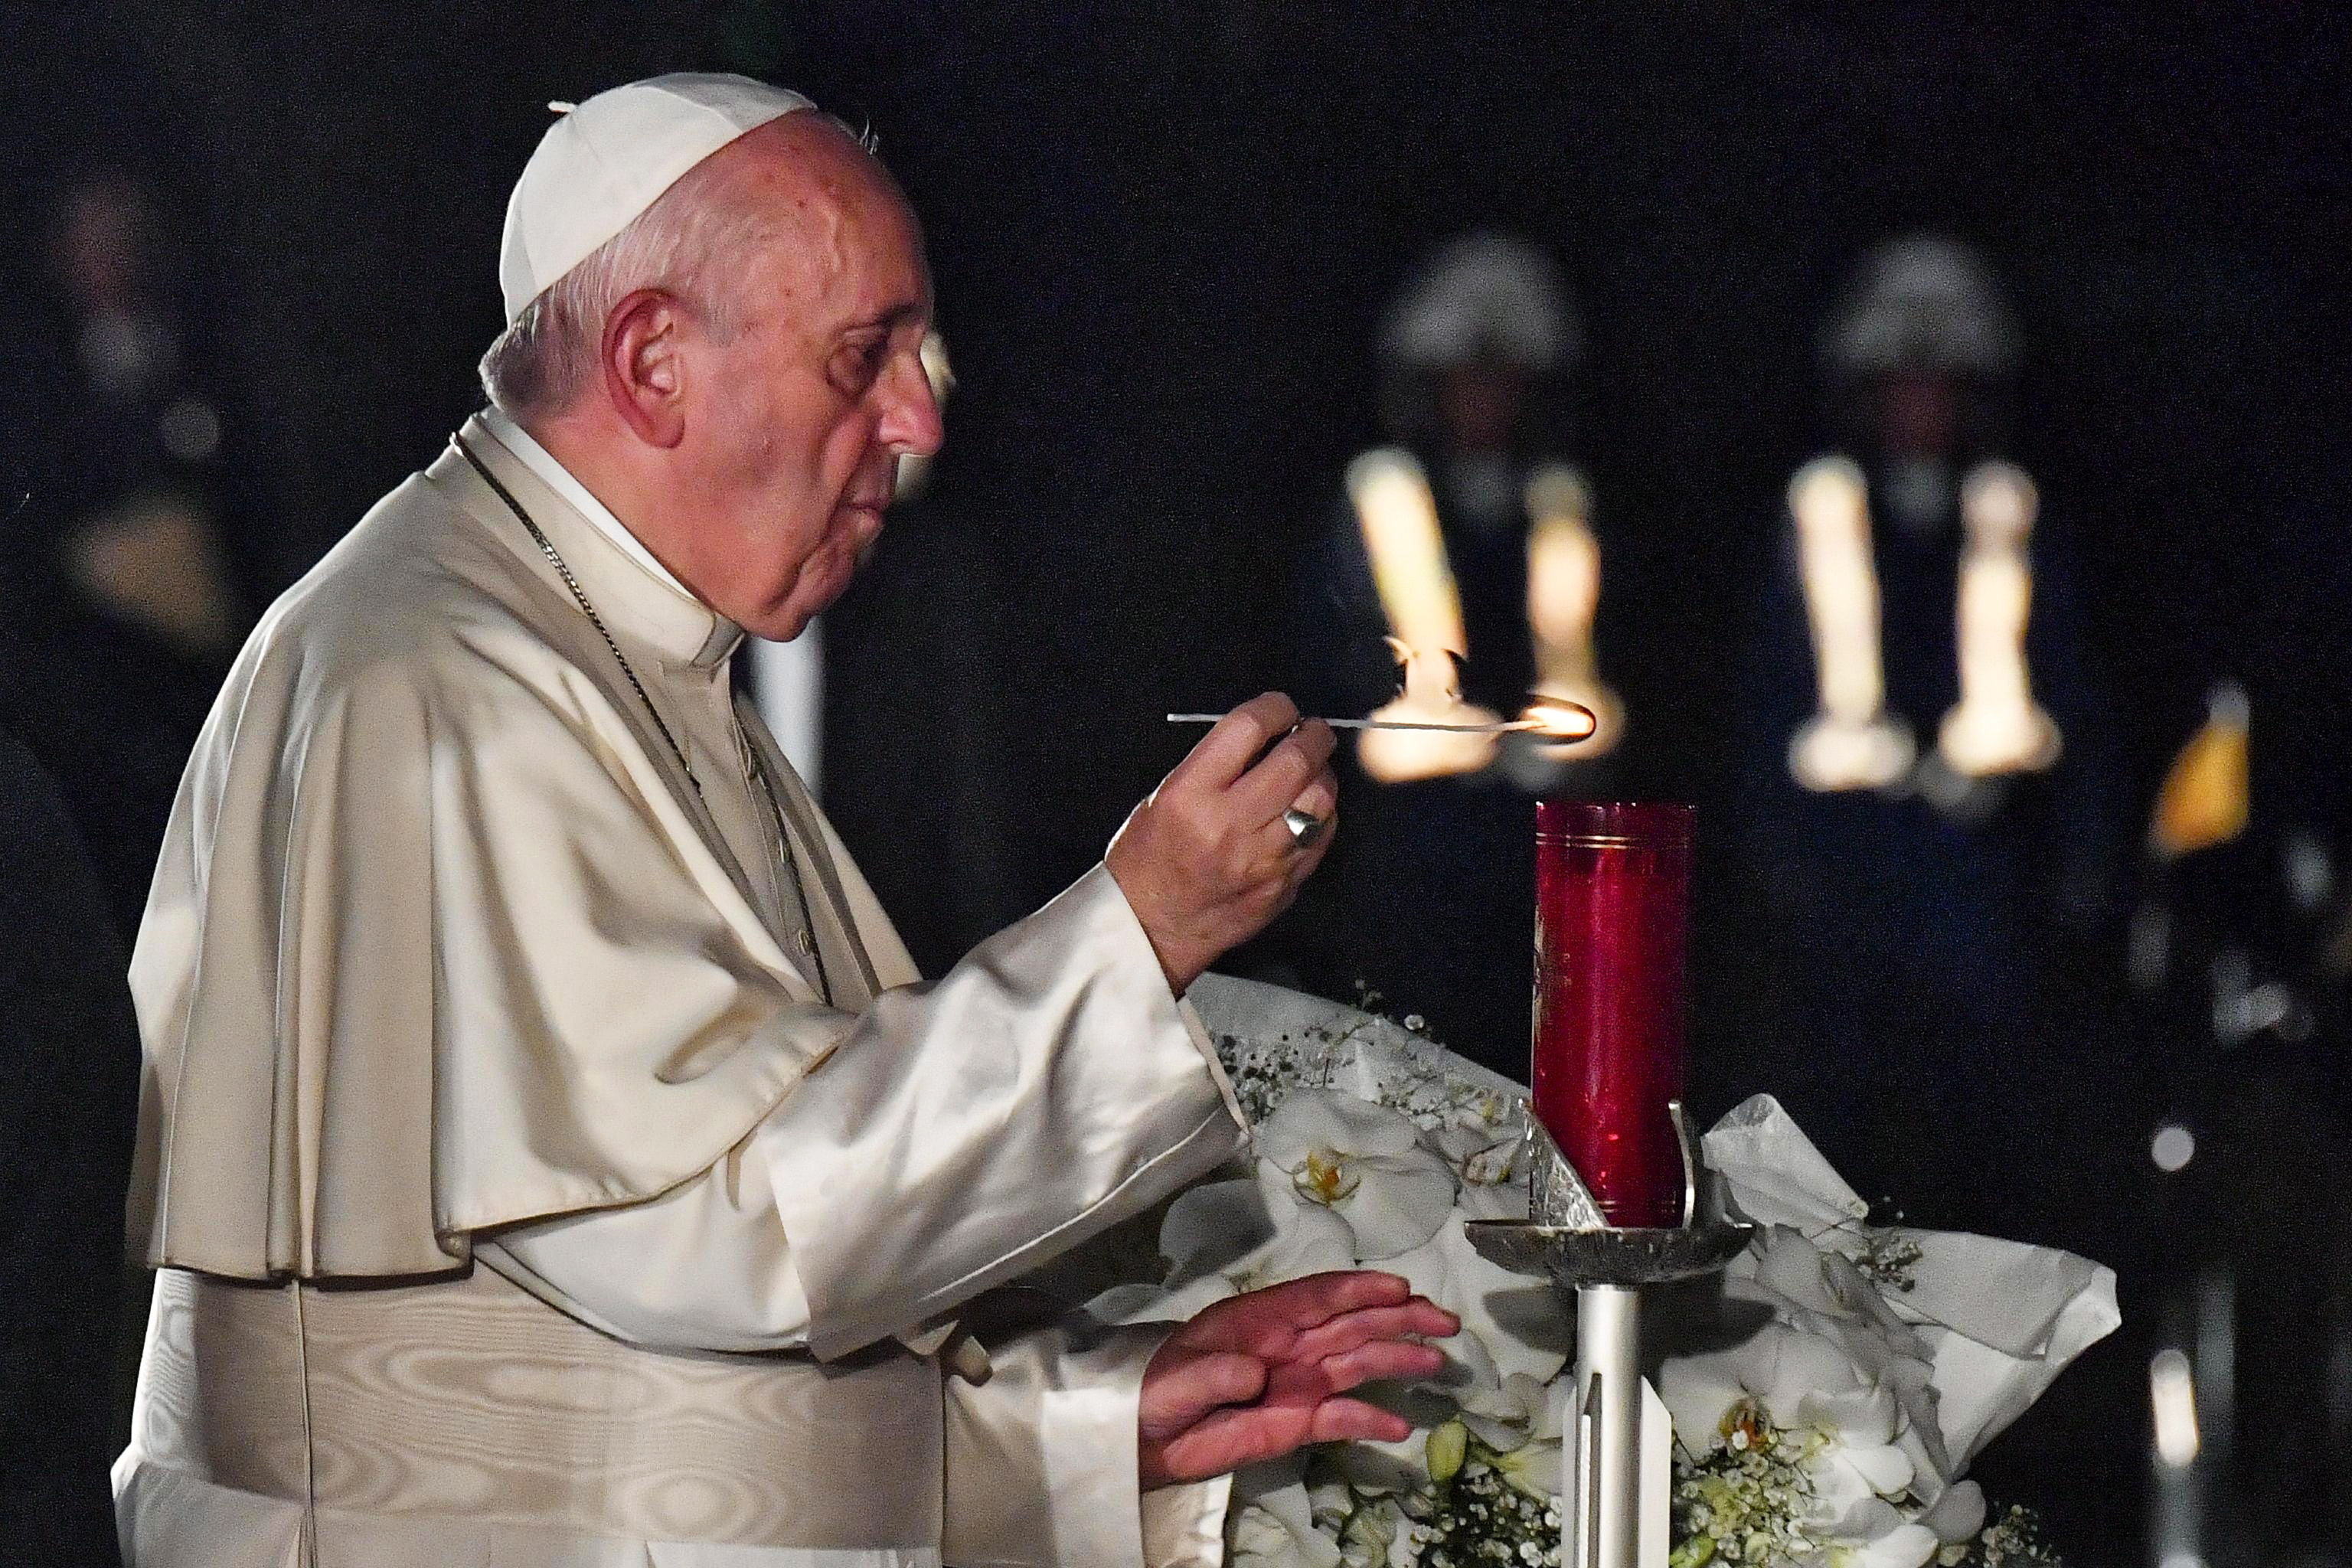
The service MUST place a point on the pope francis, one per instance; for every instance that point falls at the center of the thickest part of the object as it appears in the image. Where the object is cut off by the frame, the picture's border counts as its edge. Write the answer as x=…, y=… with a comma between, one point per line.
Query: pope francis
x=548, y=1153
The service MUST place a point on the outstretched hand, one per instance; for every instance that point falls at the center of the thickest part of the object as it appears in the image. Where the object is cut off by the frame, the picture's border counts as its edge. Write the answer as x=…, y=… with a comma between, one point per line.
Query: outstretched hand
x=1257, y=1375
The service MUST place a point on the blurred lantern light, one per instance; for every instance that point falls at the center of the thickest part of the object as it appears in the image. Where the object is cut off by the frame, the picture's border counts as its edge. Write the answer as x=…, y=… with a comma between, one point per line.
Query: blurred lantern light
x=2172, y=1397
x=190, y=430
x=1563, y=597
x=1923, y=303
x=2172, y=1148
x=1483, y=297
x=2205, y=797
x=1398, y=517
x=1852, y=743
x=1996, y=727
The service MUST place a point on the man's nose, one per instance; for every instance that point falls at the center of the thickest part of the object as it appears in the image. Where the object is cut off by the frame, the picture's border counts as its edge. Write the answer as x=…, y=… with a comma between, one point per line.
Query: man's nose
x=910, y=415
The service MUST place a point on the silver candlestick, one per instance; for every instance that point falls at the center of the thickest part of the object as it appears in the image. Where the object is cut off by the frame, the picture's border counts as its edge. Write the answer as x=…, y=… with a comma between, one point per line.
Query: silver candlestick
x=1616, y=1492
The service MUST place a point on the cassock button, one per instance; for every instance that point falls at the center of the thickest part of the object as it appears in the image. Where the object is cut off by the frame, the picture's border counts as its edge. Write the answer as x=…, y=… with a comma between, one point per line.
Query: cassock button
x=805, y=943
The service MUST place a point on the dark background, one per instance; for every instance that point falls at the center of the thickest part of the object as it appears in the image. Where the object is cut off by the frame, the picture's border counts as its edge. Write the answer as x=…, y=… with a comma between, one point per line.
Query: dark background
x=1162, y=234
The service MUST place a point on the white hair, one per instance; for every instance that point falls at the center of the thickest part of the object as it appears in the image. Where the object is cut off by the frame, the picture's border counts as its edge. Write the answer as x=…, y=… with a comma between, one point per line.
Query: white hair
x=547, y=357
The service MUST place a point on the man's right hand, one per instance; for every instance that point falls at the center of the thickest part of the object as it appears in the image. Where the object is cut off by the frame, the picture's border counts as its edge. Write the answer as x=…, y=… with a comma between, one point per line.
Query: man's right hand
x=1207, y=862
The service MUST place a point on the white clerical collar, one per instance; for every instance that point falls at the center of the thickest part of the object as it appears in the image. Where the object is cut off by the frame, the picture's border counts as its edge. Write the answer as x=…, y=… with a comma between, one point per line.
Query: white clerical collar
x=558, y=479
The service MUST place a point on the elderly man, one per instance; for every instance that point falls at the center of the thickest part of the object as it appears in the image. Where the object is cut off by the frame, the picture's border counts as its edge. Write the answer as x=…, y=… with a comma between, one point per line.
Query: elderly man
x=549, y=1154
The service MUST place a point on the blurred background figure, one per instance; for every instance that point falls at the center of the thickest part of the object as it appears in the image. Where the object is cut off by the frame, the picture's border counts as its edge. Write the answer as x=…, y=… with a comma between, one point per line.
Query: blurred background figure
x=2240, y=947
x=1927, y=811
x=122, y=599
x=1463, y=562
x=1926, y=832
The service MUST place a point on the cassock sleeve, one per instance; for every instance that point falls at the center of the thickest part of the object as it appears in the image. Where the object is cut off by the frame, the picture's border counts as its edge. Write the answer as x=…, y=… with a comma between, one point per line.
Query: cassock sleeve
x=1041, y=1460
x=965, y=1131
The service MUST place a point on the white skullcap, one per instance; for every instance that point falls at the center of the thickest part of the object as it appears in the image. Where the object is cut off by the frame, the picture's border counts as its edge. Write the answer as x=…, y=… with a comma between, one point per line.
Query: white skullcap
x=1484, y=296
x=1922, y=302
x=607, y=160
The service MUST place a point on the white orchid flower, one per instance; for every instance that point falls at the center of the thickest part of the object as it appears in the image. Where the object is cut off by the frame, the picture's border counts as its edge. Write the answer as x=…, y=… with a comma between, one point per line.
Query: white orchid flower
x=1233, y=1230
x=1773, y=1369
x=1521, y=1421
x=1372, y=1534
x=1883, y=1537
x=1277, y=1529
x=1851, y=1457
x=1509, y=1415
x=1363, y=1162
x=1485, y=1162
x=1820, y=1291
x=1505, y=1413
x=1703, y=1393
x=1956, y=1518
x=1224, y=1238
x=1515, y=1319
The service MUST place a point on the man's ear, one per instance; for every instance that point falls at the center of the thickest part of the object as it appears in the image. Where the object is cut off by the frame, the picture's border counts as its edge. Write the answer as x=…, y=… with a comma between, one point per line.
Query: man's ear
x=643, y=368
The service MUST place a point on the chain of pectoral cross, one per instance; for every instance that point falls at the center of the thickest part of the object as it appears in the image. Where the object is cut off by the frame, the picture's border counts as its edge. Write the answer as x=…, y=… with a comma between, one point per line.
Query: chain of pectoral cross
x=754, y=777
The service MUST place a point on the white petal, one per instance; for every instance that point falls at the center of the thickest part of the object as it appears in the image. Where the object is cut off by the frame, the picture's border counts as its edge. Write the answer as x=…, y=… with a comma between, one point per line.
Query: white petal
x=1957, y=1515
x=1905, y=1546
x=1313, y=1240
x=1699, y=1390
x=1315, y=1118
x=1209, y=1226
x=1277, y=1531
x=1517, y=1318
x=1887, y=1470
x=1399, y=1204
x=1806, y=1365
x=1857, y=1417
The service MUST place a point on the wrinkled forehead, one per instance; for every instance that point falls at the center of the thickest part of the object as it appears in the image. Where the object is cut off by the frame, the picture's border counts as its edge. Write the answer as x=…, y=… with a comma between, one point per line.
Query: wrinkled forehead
x=838, y=238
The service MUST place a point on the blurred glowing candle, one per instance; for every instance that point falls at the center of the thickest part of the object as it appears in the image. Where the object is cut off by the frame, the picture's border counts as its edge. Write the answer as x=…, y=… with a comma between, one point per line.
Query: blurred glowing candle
x=2207, y=794
x=1563, y=597
x=1996, y=727
x=1612, y=915
x=1850, y=744
x=1398, y=517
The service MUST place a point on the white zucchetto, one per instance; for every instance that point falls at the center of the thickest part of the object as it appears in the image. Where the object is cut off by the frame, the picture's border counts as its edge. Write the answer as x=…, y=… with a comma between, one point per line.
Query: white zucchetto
x=608, y=158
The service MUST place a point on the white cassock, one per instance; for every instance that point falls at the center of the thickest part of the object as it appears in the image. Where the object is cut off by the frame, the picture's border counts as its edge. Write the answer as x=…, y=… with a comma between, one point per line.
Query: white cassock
x=552, y=1160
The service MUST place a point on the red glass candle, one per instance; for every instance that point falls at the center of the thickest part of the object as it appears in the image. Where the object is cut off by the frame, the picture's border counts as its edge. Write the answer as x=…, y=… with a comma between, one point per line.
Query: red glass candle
x=1612, y=920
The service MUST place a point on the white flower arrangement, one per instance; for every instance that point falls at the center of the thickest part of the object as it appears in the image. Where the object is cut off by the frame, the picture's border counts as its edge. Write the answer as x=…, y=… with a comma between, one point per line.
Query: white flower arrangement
x=1833, y=1435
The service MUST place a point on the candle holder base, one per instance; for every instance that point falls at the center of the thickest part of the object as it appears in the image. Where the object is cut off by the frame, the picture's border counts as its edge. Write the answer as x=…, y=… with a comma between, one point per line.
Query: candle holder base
x=1572, y=1259
x=1615, y=1493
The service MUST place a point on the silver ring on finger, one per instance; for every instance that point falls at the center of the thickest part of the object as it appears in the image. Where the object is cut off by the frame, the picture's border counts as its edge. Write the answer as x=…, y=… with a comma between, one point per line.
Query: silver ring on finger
x=1305, y=827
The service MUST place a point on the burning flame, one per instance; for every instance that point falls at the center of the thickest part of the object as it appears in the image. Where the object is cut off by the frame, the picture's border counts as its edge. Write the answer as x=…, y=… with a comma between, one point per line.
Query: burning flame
x=1558, y=719
x=1406, y=548
x=1428, y=692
